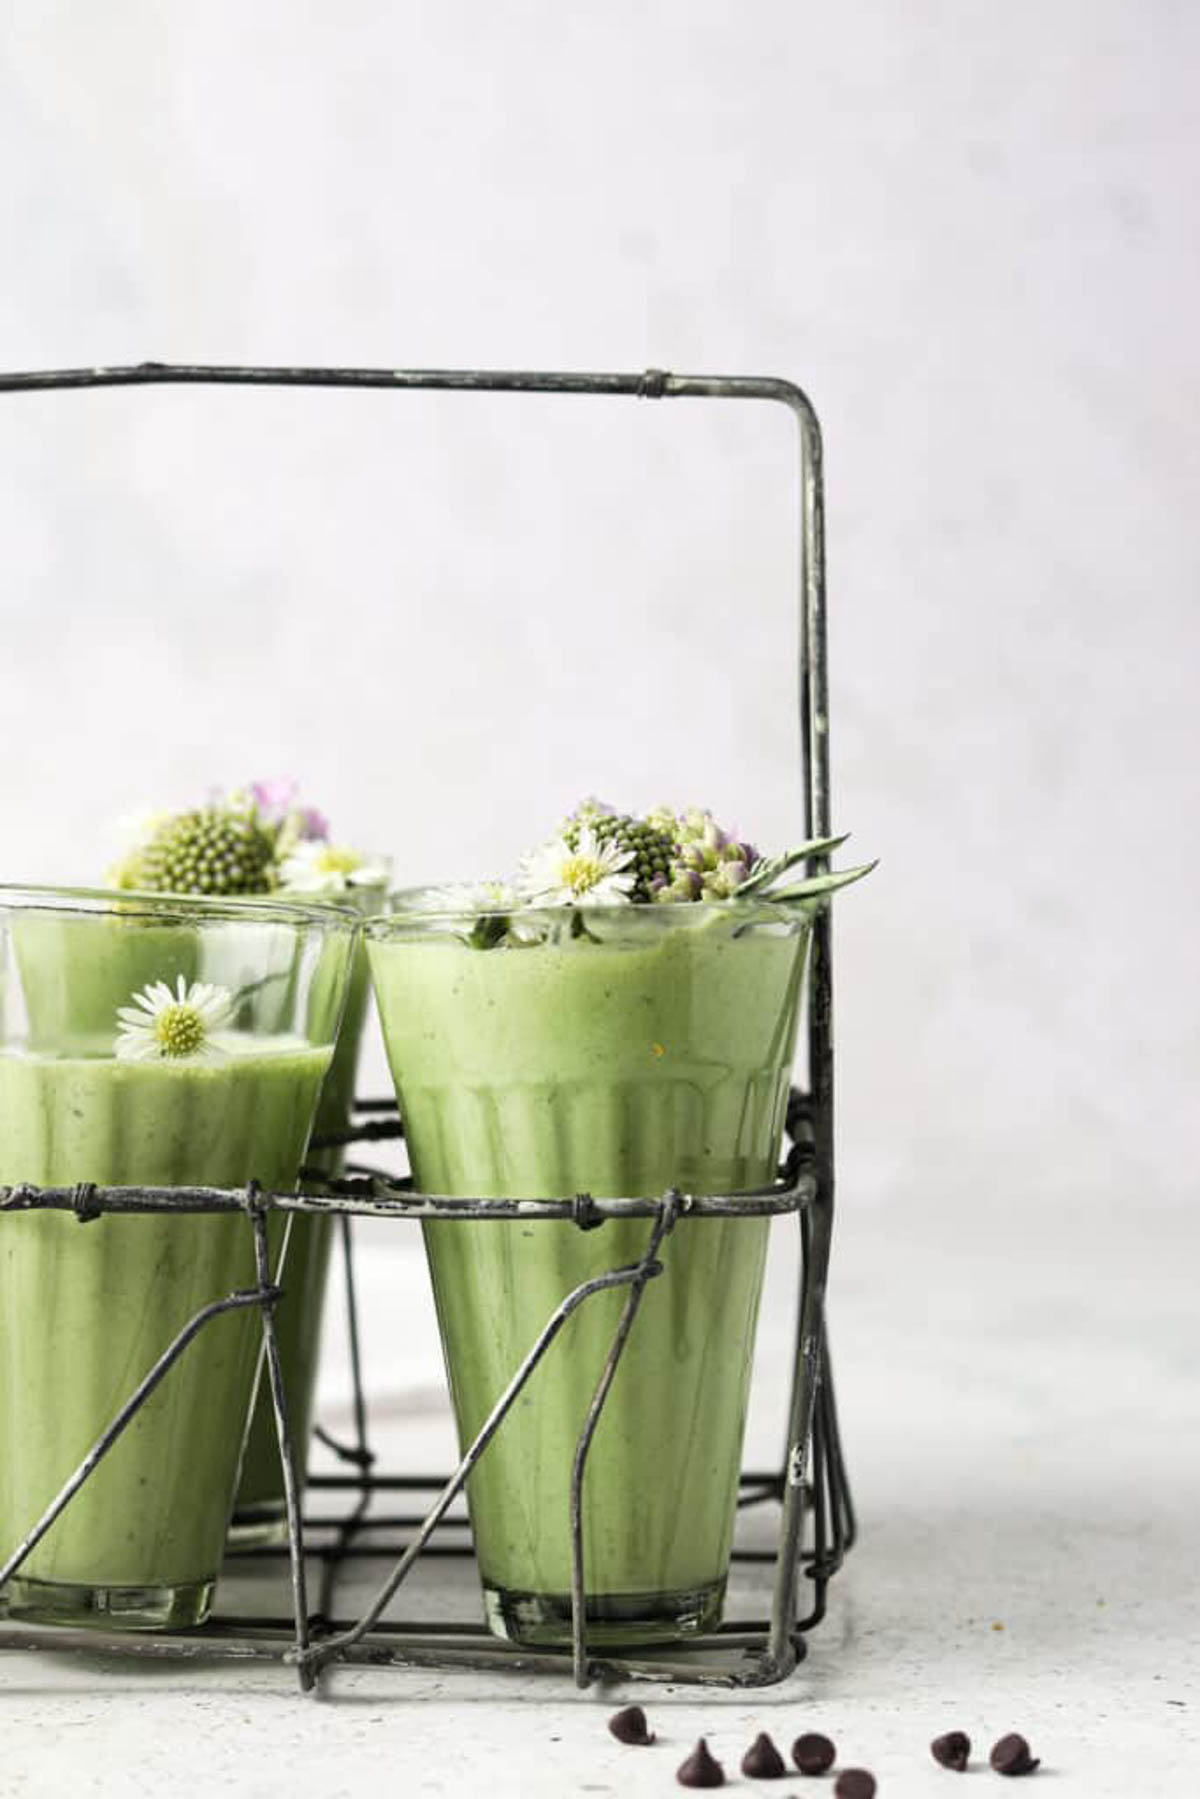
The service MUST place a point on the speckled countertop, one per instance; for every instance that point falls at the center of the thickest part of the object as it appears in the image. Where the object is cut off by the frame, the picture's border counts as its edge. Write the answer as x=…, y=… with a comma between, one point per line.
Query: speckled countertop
x=1023, y=1421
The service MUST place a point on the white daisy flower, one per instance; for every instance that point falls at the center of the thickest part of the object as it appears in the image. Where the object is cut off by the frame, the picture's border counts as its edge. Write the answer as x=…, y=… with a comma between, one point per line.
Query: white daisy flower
x=314, y=866
x=593, y=873
x=161, y=1025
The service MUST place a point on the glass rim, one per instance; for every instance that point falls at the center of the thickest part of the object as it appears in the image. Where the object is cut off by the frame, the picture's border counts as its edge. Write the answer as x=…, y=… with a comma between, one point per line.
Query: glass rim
x=249, y=908
x=401, y=915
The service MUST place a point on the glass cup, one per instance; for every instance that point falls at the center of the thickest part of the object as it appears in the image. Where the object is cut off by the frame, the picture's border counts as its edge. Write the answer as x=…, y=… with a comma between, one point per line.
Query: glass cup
x=260, y=1514
x=85, y=1311
x=620, y=1051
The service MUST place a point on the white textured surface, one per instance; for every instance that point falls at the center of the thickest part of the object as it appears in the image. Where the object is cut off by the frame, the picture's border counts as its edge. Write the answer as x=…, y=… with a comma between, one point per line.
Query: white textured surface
x=971, y=232
x=1009, y=1470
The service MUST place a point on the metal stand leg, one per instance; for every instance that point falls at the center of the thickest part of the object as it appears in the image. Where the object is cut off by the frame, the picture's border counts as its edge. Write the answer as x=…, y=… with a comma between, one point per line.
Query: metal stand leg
x=359, y=1454
x=646, y=1270
x=806, y=1381
x=295, y=1522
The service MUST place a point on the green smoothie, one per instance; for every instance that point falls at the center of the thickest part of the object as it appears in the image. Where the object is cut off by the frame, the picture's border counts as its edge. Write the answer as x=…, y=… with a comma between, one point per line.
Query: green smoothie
x=86, y=1310
x=658, y=1056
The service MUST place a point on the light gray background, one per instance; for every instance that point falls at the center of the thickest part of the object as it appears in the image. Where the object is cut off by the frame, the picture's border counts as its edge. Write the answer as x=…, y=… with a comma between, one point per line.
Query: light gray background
x=970, y=231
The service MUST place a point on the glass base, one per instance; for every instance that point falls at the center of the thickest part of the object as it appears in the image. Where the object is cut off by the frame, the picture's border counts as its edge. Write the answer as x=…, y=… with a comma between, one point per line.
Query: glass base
x=260, y=1526
x=108, y=1608
x=614, y=1621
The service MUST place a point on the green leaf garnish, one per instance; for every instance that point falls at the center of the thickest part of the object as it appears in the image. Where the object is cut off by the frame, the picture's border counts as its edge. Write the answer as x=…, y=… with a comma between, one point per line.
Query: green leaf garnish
x=769, y=868
x=816, y=885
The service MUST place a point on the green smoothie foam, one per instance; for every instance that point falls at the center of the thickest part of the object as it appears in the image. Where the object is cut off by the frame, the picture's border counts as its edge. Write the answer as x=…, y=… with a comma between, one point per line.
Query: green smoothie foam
x=656, y=1057
x=142, y=1540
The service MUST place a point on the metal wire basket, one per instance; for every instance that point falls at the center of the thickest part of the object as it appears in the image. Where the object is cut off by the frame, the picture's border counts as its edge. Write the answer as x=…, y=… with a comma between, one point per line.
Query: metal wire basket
x=810, y=1489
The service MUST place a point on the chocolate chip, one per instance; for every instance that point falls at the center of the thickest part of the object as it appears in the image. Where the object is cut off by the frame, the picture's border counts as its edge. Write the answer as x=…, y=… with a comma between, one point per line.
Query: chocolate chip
x=813, y=1753
x=700, y=1770
x=1011, y=1756
x=854, y=1783
x=629, y=1726
x=762, y=1761
x=952, y=1751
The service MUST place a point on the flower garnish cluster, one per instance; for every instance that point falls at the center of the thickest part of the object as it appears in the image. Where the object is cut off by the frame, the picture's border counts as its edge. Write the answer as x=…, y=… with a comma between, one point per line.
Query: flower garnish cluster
x=608, y=858
x=258, y=839
x=600, y=857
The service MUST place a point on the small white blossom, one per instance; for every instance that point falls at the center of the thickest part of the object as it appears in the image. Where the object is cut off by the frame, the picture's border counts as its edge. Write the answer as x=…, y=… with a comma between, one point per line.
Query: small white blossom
x=165, y=1026
x=593, y=873
x=314, y=866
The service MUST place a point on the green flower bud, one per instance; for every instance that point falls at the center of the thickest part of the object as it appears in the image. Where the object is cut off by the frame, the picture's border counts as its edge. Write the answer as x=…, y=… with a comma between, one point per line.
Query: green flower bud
x=211, y=850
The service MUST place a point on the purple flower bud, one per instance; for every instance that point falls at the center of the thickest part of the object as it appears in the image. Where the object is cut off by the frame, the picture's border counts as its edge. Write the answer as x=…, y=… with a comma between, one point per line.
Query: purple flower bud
x=273, y=800
x=314, y=826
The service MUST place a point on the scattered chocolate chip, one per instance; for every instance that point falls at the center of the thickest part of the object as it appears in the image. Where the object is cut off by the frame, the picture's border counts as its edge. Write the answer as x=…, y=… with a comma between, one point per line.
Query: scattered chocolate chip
x=952, y=1751
x=762, y=1761
x=700, y=1770
x=1011, y=1756
x=854, y=1783
x=813, y=1753
x=629, y=1726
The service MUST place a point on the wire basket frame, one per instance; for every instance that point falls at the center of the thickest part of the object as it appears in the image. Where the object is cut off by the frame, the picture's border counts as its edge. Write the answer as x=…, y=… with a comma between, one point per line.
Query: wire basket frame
x=765, y=1651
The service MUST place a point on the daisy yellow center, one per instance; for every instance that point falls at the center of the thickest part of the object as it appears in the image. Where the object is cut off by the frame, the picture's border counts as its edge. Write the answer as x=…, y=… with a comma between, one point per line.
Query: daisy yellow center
x=333, y=861
x=581, y=872
x=179, y=1030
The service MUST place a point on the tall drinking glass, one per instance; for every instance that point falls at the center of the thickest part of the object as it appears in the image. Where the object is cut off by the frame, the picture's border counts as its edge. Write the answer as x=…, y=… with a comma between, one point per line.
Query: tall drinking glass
x=619, y=1051
x=144, y=1041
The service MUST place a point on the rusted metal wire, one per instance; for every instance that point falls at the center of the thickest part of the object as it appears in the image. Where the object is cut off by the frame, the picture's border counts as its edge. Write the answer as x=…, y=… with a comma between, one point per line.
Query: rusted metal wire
x=377, y=1198
x=759, y=1665
x=767, y=1650
x=274, y=1375
x=634, y=1276
x=647, y=1268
